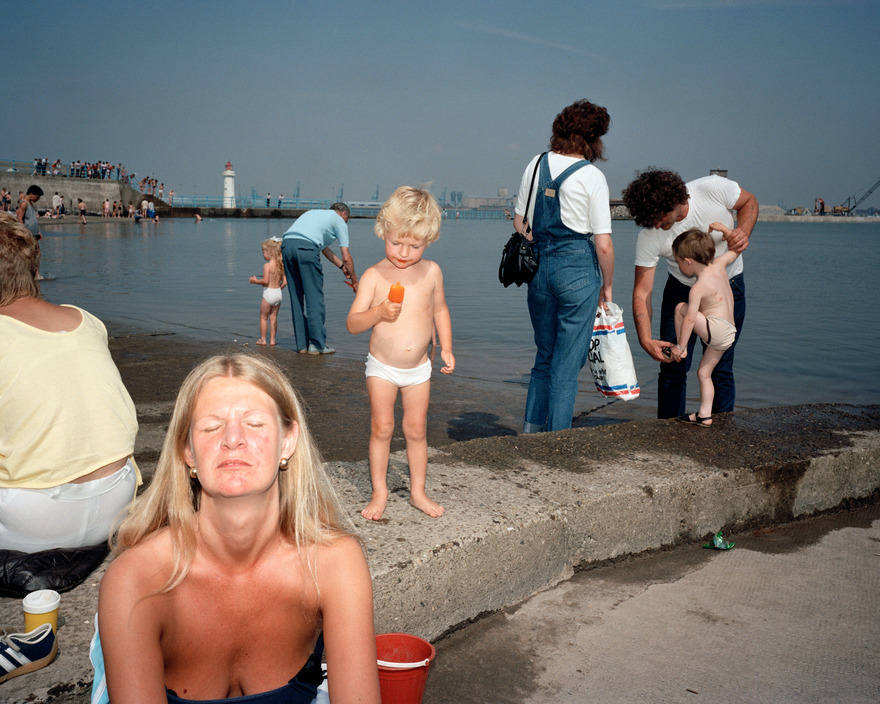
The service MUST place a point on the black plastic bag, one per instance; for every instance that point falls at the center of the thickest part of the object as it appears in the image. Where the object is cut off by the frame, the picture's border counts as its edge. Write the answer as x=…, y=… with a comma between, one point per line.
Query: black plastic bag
x=60, y=569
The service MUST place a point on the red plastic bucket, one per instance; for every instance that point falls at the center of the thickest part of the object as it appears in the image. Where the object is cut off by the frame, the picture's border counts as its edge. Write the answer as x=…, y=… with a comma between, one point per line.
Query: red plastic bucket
x=403, y=667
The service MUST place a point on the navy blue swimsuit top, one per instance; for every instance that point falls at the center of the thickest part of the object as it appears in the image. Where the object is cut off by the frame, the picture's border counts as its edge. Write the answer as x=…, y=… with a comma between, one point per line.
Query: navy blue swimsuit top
x=302, y=689
x=294, y=692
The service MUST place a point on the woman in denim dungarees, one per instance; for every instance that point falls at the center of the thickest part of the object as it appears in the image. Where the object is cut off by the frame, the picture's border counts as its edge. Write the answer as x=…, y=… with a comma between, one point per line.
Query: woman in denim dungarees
x=570, y=224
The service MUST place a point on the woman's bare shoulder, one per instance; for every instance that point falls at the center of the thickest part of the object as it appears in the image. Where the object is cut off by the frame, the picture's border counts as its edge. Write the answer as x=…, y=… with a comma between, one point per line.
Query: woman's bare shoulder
x=342, y=556
x=144, y=568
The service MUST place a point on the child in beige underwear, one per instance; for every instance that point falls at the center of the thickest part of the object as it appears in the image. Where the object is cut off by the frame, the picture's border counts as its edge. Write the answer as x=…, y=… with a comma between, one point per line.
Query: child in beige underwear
x=272, y=281
x=708, y=312
x=402, y=332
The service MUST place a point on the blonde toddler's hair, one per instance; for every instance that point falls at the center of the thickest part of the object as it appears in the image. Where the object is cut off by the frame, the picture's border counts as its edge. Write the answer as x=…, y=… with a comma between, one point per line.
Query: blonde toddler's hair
x=413, y=212
x=273, y=247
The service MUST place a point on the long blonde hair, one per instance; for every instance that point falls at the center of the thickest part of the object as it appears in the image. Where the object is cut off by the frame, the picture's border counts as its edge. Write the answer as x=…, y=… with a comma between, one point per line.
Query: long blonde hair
x=273, y=247
x=310, y=511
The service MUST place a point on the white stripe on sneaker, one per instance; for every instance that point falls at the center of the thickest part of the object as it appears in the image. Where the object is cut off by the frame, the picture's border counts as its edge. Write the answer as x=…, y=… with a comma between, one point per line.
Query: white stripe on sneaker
x=8, y=665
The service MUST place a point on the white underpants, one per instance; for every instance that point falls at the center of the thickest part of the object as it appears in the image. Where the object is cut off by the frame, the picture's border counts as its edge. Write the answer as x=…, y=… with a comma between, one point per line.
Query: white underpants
x=272, y=296
x=722, y=333
x=399, y=377
x=65, y=516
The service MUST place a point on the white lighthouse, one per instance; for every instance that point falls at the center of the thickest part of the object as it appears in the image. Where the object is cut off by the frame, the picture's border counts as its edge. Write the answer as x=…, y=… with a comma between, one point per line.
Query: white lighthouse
x=229, y=186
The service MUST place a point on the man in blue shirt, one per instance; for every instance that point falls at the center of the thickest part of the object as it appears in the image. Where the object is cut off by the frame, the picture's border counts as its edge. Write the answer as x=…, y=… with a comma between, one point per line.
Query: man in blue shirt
x=311, y=234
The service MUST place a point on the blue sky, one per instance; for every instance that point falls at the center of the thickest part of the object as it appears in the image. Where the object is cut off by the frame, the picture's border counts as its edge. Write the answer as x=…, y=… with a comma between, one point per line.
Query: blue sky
x=458, y=95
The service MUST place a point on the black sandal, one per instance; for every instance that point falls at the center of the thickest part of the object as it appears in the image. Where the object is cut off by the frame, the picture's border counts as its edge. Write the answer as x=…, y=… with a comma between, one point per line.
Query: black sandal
x=696, y=420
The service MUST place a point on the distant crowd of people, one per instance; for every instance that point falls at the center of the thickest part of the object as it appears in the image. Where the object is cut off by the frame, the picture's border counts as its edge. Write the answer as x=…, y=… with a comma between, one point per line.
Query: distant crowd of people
x=100, y=170
x=83, y=169
x=152, y=187
x=58, y=208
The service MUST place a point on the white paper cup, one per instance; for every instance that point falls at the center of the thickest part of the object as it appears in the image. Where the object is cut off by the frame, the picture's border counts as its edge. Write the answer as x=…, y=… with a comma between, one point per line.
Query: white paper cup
x=41, y=607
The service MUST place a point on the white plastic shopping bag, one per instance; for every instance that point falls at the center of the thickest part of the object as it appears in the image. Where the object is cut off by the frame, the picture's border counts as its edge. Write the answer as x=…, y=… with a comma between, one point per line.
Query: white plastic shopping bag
x=610, y=357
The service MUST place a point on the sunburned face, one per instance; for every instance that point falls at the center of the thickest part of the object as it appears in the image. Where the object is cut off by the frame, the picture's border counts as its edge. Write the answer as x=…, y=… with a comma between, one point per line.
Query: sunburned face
x=236, y=439
x=402, y=250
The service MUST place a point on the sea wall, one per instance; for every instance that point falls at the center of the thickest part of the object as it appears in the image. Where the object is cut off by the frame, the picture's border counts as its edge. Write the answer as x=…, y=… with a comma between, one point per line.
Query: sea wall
x=92, y=191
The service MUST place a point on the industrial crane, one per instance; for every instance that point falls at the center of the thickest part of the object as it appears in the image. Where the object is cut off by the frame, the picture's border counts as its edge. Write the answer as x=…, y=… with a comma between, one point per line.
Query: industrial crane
x=850, y=204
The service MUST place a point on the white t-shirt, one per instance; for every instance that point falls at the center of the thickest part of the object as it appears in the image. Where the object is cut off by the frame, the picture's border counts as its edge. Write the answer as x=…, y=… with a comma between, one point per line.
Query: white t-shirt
x=583, y=197
x=710, y=199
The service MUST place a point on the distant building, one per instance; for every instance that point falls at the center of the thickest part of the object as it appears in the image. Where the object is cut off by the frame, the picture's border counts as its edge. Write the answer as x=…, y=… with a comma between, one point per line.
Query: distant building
x=502, y=200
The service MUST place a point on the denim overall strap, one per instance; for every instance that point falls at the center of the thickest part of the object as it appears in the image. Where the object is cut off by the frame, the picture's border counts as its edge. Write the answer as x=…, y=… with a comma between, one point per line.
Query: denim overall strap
x=547, y=221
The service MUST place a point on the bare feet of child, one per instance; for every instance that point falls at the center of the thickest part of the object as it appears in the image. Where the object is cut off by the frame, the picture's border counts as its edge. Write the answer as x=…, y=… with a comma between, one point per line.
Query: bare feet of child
x=272, y=343
x=426, y=505
x=261, y=342
x=376, y=507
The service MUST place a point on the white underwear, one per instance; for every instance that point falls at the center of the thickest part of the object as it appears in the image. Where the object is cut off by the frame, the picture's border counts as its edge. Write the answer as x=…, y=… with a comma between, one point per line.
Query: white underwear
x=722, y=333
x=272, y=296
x=399, y=377
x=65, y=516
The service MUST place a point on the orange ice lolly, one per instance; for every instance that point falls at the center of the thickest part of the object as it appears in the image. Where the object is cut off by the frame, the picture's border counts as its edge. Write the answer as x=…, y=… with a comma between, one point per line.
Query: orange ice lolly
x=395, y=295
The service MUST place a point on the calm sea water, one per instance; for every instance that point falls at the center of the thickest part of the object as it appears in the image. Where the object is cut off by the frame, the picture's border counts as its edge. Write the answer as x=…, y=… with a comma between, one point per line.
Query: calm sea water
x=812, y=330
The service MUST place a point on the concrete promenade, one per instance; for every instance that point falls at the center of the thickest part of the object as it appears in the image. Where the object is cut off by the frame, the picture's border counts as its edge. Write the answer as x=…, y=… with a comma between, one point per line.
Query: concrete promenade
x=788, y=616
x=523, y=513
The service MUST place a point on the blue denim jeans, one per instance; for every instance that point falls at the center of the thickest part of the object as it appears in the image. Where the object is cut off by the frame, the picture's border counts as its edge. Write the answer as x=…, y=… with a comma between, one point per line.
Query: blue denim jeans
x=305, y=286
x=672, y=381
x=562, y=298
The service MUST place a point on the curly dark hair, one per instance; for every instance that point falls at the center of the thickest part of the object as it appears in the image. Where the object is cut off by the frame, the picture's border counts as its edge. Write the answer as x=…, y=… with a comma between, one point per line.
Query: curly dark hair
x=578, y=129
x=653, y=194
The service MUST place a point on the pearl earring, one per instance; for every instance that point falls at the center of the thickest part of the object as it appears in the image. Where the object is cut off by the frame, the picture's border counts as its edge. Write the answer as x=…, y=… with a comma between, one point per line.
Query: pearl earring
x=284, y=464
x=193, y=473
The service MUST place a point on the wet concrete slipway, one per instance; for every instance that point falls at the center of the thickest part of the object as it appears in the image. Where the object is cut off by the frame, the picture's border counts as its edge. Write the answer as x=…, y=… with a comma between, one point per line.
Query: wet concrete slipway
x=569, y=566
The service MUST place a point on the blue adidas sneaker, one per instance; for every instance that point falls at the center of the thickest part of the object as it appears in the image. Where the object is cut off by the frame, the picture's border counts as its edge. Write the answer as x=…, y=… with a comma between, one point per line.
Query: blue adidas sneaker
x=21, y=653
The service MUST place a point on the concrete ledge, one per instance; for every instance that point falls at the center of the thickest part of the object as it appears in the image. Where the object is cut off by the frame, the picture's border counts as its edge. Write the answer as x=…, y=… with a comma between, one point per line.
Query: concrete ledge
x=524, y=512
x=521, y=525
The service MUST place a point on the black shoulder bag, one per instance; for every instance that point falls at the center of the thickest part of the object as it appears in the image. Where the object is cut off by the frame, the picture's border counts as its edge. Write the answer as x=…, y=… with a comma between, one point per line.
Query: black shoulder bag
x=519, y=260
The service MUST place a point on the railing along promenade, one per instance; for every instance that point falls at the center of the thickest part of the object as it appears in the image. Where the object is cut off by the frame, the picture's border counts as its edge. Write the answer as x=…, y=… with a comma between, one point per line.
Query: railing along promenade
x=358, y=209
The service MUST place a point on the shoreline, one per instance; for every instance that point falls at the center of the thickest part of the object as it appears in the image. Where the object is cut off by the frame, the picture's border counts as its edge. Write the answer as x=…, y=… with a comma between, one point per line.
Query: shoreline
x=333, y=391
x=291, y=213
